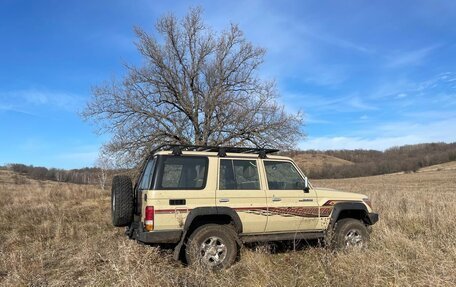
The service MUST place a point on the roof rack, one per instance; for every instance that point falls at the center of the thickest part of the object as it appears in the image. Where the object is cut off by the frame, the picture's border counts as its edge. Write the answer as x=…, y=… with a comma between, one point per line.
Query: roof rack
x=221, y=150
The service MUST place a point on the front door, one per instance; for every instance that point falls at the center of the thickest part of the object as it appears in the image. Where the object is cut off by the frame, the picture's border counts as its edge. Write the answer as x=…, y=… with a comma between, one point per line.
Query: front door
x=240, y=188
x=290, y=208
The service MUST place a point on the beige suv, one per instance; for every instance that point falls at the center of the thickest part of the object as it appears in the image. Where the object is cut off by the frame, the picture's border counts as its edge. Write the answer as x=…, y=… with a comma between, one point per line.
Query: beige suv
x=208, y=201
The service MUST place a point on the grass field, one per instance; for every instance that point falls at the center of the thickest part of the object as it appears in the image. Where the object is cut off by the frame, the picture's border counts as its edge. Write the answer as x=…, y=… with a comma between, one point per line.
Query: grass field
x=55, y=234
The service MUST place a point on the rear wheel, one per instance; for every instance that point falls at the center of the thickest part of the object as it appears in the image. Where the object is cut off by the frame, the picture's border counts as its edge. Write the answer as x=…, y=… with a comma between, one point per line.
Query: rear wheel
x=213, y=246
x=350, y=233
x=122, y=201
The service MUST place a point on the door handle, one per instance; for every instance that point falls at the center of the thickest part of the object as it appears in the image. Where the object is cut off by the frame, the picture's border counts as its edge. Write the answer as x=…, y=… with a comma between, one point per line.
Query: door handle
x=224, y=200
x=305, y=200
x=177, y=202
x=276, y=199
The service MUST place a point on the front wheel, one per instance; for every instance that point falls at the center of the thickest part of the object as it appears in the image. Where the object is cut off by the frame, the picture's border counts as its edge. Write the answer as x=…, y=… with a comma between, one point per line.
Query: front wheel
x=212, y=245
x=350, y=233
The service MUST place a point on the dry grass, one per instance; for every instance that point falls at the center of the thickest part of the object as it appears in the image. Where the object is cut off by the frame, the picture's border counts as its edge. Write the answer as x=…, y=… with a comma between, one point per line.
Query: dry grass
x=60, y=234
x=438, y=167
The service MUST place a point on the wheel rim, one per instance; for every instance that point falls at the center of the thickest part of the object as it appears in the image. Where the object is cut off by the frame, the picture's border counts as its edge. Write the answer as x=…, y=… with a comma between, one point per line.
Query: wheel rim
x=353, y=238
x=213, y=251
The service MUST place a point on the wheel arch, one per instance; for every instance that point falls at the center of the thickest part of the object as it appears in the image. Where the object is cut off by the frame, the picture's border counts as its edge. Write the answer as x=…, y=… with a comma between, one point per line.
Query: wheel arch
x=204, y=215
x=356, y=210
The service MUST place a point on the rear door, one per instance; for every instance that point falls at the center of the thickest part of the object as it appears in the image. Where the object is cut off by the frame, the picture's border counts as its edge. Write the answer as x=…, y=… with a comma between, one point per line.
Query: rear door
x=289, y=207
x=180, y=185
x=240, y=188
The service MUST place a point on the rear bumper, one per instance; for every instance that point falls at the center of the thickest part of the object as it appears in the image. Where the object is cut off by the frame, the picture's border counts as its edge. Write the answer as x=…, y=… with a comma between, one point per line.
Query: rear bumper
x=158, y=236
x=136, y=231
x=372, y=218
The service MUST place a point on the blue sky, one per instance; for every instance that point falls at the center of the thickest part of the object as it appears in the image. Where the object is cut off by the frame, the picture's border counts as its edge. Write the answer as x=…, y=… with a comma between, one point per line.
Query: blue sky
x=367, y=74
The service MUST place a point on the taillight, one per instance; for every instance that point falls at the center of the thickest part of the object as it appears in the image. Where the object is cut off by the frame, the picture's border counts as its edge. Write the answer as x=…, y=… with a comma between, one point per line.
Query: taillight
x=149, y=218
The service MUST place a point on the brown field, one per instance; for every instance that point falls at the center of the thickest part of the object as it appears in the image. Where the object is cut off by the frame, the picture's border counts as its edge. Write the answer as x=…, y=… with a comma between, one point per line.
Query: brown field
x=438, y=167
x=54, y=234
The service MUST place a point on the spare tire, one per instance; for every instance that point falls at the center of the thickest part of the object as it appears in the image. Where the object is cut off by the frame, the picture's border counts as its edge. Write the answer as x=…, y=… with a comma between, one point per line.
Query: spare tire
x=122, y=201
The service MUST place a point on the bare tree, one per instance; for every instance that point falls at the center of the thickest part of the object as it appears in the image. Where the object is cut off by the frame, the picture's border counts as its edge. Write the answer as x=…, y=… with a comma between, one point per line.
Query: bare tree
x=104, y=163
x=194, y=87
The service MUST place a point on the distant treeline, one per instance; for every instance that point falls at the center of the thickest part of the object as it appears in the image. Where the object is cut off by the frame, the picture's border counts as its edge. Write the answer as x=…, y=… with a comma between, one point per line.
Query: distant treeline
x=408, y=158
x=81, y=176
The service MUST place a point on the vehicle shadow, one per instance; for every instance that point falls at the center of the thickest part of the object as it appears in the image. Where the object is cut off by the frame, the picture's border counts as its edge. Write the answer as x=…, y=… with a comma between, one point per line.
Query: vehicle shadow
x=278, y=247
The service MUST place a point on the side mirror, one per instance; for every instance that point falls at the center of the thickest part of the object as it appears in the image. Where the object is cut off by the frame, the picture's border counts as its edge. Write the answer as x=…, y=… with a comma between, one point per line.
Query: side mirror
x=306, y=185
x=303, y=185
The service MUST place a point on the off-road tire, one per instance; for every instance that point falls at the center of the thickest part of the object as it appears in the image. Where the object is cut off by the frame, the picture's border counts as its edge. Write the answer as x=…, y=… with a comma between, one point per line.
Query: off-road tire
x=209, y=234
x=349, y=233
x=122, y=201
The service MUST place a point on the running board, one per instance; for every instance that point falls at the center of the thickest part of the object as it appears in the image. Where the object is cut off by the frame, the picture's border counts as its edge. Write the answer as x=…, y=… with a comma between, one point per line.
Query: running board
x=281, y=236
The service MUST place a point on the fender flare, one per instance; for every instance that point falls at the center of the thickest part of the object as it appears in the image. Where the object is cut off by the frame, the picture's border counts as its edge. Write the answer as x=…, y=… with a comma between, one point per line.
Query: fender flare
x=342, y=206
x=219, y=210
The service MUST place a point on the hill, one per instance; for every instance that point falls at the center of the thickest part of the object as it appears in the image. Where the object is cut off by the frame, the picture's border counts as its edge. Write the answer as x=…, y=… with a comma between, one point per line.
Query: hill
x=439, y=167
x=60, y=234
x=358, y=163
x=316, y=162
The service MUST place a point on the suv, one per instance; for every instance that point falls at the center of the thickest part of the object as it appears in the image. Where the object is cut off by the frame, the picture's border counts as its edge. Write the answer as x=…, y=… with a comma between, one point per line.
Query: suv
x=209, y=201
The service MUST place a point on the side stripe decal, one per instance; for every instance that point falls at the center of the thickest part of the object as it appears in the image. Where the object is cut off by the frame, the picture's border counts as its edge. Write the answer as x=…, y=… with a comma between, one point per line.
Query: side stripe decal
x=307, y=211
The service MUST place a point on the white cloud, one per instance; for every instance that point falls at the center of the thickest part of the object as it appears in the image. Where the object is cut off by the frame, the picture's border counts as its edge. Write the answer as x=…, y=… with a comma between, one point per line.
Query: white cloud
x=336, y=143
x=6, y=107
x=389, y=135
x=334, y=41
x=359, y=104
x=408, y=58
x=310, y=119
x=401, y=95
x=63, y=100
x=325, y=75
x=429, y=131
x=25, y=100
x=12, y=108
x=342, y=103
x=430, y=115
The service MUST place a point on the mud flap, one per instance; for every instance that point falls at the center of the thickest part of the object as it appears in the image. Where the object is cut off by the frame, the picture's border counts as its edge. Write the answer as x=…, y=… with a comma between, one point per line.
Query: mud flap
x=178, y=249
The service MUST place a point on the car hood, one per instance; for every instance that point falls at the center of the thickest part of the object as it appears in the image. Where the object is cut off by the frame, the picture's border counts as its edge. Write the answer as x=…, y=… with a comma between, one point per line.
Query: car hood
x=331, y=193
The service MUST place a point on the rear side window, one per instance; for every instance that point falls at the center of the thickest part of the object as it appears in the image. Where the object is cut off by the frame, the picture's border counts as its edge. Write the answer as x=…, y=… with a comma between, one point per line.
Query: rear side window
x=283, y=176
x=147, y=175
x=182, y=172
x=238, y=174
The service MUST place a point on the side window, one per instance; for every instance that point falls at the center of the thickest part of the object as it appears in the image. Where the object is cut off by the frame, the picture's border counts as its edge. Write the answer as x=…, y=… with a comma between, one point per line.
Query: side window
x=147, y=176
x=238, y=174
x=182, y=172
x=283, y=176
